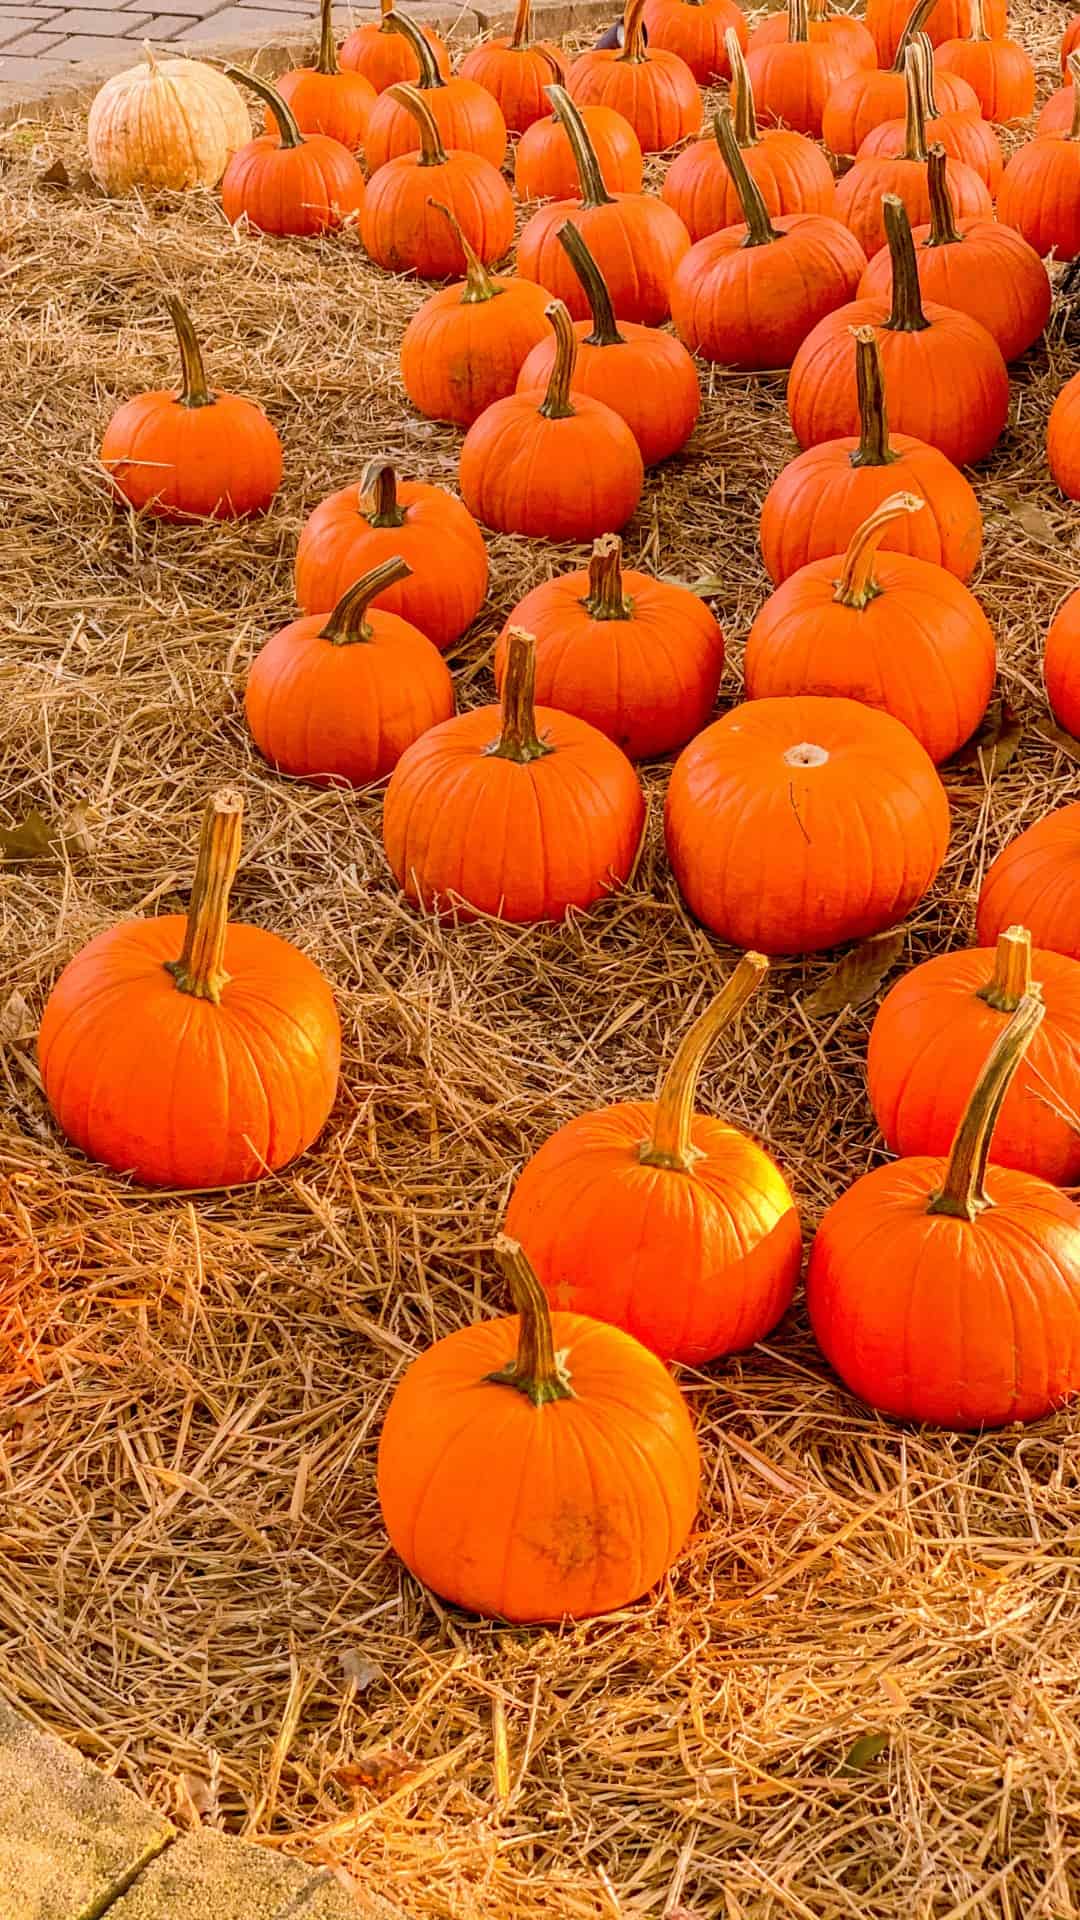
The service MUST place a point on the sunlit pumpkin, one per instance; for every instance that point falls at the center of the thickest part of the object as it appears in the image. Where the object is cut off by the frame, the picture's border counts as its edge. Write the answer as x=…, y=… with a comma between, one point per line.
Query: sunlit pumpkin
x=515, y=69
x=384, y=56
x=326, y=98
x=290, y=182
x=404, y=224
x=465, y=346
x=654, y=89
x=1035, y=883
x=1061, y=664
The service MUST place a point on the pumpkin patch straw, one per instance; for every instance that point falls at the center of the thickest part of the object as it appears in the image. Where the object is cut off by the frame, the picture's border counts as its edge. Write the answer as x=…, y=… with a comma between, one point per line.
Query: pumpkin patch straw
x=670, y=1143
x=963, y=1192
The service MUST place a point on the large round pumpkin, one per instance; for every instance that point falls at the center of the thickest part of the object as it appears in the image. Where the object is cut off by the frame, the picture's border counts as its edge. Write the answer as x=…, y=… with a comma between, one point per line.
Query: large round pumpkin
x=1061, y=664
x=169, y=123
x=467, y=116
x=537, y=1468
x=327, y=98
x=466, y=345
x=1040, y=187
x=999, y=70
x=192, y=1053
x=652, y=88
x=860, y=192
x=384, y=56
x=868, y=99
x=290, y=182
x=544, y=163
x=515, y=69
x=1035, y=883
x=793, y=78
x=964, y=135
x=404, y=225
x=698, y=31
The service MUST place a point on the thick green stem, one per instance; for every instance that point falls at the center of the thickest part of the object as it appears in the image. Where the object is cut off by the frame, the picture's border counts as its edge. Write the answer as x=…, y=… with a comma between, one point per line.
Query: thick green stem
x=555, y=404
x=670, y=1144
x=425, y=54
x=856, y=586
x=760, y=231
x=479, y=285
x=740, y=92
x=348, y=622
x=327, y=61
x=378, y=486
x=432, y=151
x=634, y=49
x=606, y=599
x=914, y=24
x=287, y=127
x=873, y=449
x=194, y=391
x=536, y=1369
x=593, y=191
x=963, y=1194
x=944, y=231
x=605, y=331
x=518, y=739
x=1011, y=977
x=907, y=314
x=200, y=969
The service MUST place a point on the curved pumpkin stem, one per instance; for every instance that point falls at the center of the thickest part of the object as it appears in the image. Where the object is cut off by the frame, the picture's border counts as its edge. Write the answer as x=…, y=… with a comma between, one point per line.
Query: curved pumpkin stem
x=200, y=970
x=479, y=285
x=432, y=151
x=670, y=1144
x=924, y=47
x=760, y=231
x=740, y=92
x=944, y=231
x=798, y=20
x=348, y=622
x=873, y=449
x=914, y=117
x=606, y=599
x=914, y=24
x=1011, y=977
x=378, y=483
x=430, y=77
x=536, y=1370
x=194, y=391
x=634, y=49
x=288, y=129
x=520, y=38
x=963, y=1194
x=518, y=739
x=856, y=586
x=594, y=193
x=605, y=330
x=327, y=61
x=907, y=314
x=555, y=404
x=978, y=22
x=386, y=8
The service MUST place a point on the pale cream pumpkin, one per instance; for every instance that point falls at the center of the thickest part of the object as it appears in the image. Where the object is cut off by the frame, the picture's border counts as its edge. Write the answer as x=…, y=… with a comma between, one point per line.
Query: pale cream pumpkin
x=169, y=123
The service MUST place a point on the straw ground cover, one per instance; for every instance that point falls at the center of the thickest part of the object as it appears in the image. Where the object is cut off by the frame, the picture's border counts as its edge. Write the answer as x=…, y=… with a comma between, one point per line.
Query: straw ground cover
x=857, y=1693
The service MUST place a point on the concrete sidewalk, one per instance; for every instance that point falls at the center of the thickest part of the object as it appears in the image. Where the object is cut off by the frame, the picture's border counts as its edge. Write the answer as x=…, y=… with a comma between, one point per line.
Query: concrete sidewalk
x=38, y=40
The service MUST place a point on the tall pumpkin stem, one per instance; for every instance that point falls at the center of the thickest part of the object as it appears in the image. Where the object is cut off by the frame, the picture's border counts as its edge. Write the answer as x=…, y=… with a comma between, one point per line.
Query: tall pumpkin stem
x=605, y=331
x=327, y=61
x=873, y=449
x=978, y=22
x=386, y=9
x=740, y=92
x=287, y=126
x=760, y=231
x=200, y=970
x=194, y=391
x=479, y=285
x=944, y=231
x=914, y=121
x=378, y=484
x=914, y=24
x=857, y=586
x=518, y=739
x=1074, y=76
x=430, y=77
x=634, y=33
x=593, y=191
x=348, y=622
x=798, y=20
x=907, y=314
x=670, y=1144
x=1011, y=977
x=555, y=404
x=432, y=151
x=963, y=1193
x=536, y=1369
x=519, y=39
x=606, y=599
x=924, y=47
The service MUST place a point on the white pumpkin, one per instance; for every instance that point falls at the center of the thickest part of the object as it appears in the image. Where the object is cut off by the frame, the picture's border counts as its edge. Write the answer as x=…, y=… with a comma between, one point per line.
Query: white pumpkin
x=170, y=123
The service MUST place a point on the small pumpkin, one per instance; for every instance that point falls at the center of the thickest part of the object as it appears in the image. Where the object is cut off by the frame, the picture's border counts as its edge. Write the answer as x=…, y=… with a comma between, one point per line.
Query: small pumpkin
x=537, y=1468
x=514, y=811
x=545, y=167
x=793, y=78
x=1040, y=187
x=943, y=20
x=290, y=183
x=750, y=295
x=1056, y=116
x=550, y=462
x=848, y=804
x=972, y=1318
x=191, y=1052
x=697, y=30
x=898, y=633
x=864, y=100
x=384, y=56
x=326, y=98
x=819, y=499
x=166, y=123
x=515, y=69
x=467, y=344
x=947, y=380
x=636, y=240
x=336, y=698
x=859, y=194
x=665, y=1221
x=1061, y=665
x=468, y=117
x=964, y=136
x=644, y=376
x=1035, y=883
x=832, y=27
x=1063, y=439
x=998, y=70
x=655, y=90
x=194, y=453
x=790, y=173
x=639, y=658
x=404, y=227
x=976, y=266
x=933, y=1032
x=354, y=530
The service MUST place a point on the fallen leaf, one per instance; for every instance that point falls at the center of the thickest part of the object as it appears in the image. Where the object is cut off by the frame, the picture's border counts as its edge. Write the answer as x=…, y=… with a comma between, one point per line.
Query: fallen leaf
x=857, y=977
x=30, y=841
x=1034, y=521
x=863, y=1752
x=362, y=1672
x=377, y=1772
x=996, y=741
x=58, y=176
x=55, y=176
x=1057, y=737
x=705, y=589
x=16, y=1020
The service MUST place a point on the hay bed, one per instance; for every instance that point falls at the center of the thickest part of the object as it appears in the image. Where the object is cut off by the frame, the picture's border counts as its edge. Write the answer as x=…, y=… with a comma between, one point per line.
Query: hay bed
x=194, y=1584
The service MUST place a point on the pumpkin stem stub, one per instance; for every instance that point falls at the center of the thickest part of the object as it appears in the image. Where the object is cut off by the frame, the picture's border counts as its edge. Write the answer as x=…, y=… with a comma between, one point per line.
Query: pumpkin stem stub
x=479, y=285
x=760, y=231
x=348, y=622
x=857, y=586
x=200, y=970
x=1011, y=977
x=594, y=193
x=378, y=483
x=425, y=54
x=536, y=1370
x=555, y=404
x=670, y=1144
x=634, y=50
x=288, y=128
x=605, y=330
x=963, y=1194
x=194, y=391
x=740, y=93
x=873, y=449
x=432, y=152
x=806, y=754
x=327, y=61
x=906, y=315
x=606, y=599
x=518, y=739
x=944, y=231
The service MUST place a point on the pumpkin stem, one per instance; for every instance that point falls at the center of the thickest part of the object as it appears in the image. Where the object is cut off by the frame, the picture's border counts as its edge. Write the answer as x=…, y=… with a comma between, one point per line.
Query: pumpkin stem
x=605, y=331
x=555, y=404
x=873, y=449
x=914, y=24
x=978, y=22
x=432, y=151
x=327, y=61
x=1011, y=977
x=924, y=46
x=194, y=391
x=425, y=56
x=536, y=1369
x=1074, y=76
x=760, y=231
x=798, y=20
x=288, y=130
x=606, y=599
x=518, y=739
x=740, y=92
x=199, y=970
x=378, y=483
x=963, y=1194
x=593, y=191
x=907, y=314
x=519, y=39
x=479, y=285
x=348, y=622
x=914, y=120
x=670, y=1144
x=634, y=33
x=386, y=8
x=944, y=231
x=857, y=586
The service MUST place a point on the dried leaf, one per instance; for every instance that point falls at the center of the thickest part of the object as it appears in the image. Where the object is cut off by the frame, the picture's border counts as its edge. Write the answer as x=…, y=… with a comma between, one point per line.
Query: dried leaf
x=30, y=841
x=1057, y=737
x=996, y=741
x=1034, y=521
x=55, y=176
x=379, y=1772
x=706, y=589
x=863, y=1752
x=857, y=977
x=58, y=176
x=16, y=1020
x=362, y=1672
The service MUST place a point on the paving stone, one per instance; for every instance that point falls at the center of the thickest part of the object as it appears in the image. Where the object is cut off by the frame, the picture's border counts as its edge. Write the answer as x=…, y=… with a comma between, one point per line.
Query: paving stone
x=34, y=43
x=70, y=1839
x=209, y=1876
x=193, y=9
x=99, y=21
x=10, y=29
x=166, y=26
x=109, y=50
x=245, y=25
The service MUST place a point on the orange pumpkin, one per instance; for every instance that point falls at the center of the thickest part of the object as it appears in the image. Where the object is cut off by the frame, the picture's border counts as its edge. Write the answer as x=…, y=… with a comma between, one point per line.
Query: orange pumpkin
x=1040, y=187
x=846, y=801
x=933, y=1032
x=336, y=698
x=697, y=30
x=352, y=531
x=324, y=98
x=551, y=462
x=1035, y=883
x=644, y=376
x=404, y=225
x=815, y=505
x=290, y=182
x=964, y=136
x=859, y=194
x=638, y=658
x=896, y=632
x=887, y=20
x=793, y=78
x=665, y=1221
x=831, y=28
x=467, y=116
x=513, y=811
x=972, y=1318
x=1063, y=439
x=192, y=1053
x=865, y=100
x=1061, y=665
x=654, y=90
x=1056, y=116
x=997, y=69
x=537, y=1468
x=193, y=453
x=515, y=69
x=384, y=57
x=545, y=167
